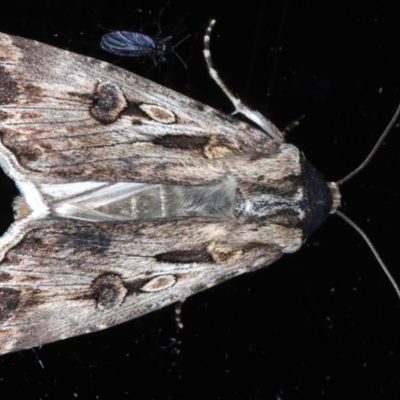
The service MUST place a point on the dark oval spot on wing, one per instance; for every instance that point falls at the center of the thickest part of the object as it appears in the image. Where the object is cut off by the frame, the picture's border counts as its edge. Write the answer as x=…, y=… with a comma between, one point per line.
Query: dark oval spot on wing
x=109, y=103
x=5, y=276
x=184, y=142
x=109, y=291
x=9, y=302
x=186, y=257
x=9, y=91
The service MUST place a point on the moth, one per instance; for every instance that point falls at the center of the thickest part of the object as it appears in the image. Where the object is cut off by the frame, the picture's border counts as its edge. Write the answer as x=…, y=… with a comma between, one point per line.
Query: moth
x=133, y=196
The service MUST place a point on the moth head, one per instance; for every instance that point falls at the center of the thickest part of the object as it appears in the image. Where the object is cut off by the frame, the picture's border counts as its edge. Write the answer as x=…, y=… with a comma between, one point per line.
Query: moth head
x=321, y=198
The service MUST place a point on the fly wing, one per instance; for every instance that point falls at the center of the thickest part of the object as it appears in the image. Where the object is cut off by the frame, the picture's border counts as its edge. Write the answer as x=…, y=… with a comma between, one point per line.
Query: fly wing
x=131, y=44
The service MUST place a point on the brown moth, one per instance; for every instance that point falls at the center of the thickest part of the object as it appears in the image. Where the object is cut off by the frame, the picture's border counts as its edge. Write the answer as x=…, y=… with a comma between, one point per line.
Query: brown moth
x=133, y=196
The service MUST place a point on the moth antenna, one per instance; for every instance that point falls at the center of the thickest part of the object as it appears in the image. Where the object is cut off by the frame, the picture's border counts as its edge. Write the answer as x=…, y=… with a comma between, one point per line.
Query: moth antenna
x=241, y=108
x=374, y=251
x=373, y=151
x=355, y=172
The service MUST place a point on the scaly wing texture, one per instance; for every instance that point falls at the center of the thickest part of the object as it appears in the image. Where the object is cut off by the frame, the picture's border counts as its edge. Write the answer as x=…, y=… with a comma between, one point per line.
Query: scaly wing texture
x=71, y=118
x=66, y=119
x=66, y=278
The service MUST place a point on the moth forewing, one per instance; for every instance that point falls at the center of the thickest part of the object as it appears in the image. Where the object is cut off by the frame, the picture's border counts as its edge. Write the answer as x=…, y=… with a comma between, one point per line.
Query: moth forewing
x=133, y=196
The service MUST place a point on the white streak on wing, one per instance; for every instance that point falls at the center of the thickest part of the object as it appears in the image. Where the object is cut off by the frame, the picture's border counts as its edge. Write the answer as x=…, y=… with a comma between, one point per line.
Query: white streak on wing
x=163, y=201
x=62, y=190
x=86, y=214
x=33, y=198
x=84, y=206
x=111, y=193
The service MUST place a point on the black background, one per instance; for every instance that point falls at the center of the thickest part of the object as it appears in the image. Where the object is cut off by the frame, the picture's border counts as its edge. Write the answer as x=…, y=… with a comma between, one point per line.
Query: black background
x=323, y=323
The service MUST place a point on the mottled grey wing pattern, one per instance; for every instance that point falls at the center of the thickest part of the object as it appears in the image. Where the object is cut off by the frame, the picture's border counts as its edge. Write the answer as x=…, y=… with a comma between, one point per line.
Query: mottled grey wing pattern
x=66, y=118
x=68, y=278
x=73, y=118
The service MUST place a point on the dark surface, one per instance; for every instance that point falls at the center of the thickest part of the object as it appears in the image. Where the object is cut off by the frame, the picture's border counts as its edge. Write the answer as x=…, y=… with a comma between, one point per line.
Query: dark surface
x=321, y=323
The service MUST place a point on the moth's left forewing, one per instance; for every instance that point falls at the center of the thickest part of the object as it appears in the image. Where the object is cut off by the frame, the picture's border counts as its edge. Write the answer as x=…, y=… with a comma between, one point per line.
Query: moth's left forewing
x=135, y=196
x=66, y=278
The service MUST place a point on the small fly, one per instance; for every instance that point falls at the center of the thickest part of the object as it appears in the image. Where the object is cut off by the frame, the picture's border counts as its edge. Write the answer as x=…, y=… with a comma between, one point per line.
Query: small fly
x=134, y=44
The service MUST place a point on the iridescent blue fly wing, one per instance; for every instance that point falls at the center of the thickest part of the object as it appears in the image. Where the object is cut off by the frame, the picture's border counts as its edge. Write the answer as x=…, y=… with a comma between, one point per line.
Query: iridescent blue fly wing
x=133, y=44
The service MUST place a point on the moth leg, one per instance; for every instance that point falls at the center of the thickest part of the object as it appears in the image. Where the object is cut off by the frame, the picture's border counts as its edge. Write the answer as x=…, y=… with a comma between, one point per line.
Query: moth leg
x=292, y=125
x=253, y=115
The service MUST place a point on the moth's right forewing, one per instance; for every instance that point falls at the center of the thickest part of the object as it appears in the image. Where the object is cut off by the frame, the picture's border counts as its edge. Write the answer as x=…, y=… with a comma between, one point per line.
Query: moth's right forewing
x=69, y=118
